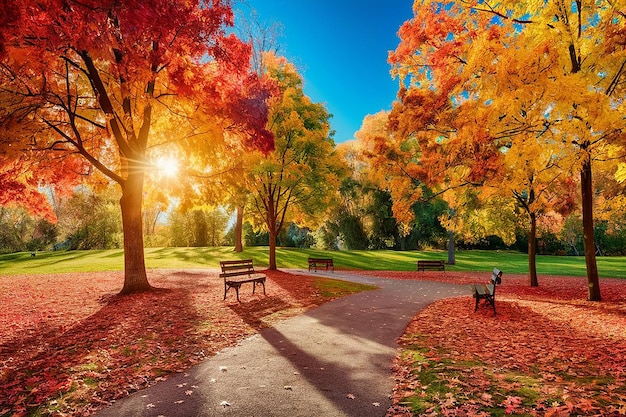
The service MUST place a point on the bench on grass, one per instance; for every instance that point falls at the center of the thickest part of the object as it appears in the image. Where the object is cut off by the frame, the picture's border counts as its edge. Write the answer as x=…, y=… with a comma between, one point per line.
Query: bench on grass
x=438, y=265
x=325, y=262
x=487, y=292
x=236, y=273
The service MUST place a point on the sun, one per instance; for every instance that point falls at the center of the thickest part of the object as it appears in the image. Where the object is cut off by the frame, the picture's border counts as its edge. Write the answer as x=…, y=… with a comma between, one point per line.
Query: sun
x=167, y=167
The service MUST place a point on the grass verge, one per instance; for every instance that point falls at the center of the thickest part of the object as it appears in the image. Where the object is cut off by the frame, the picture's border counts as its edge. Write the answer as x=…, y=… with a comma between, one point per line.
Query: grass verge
x=381, y=260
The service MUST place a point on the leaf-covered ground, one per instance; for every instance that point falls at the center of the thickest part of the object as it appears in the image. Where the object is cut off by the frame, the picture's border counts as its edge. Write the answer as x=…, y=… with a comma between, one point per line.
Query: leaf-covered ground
x=65, y=349
x=547, y=352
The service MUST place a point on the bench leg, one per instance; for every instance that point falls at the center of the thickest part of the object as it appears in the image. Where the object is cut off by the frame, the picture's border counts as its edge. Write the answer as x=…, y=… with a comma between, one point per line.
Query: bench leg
x=488, y=301
x=492, y=301
x=228, y=287
x=259, y=282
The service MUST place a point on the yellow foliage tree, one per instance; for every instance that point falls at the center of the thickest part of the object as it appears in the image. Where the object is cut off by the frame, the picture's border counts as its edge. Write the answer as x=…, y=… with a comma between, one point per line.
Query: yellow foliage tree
x=539, y=78
x=297, y=181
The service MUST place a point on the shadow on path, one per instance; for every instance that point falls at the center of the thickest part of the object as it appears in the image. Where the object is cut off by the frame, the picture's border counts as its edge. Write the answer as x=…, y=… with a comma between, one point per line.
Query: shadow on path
x=334, y=360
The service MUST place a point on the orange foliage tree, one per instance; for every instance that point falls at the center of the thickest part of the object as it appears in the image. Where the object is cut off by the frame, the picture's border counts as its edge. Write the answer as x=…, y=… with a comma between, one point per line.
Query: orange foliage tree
x=89, y=78
x=545, y=76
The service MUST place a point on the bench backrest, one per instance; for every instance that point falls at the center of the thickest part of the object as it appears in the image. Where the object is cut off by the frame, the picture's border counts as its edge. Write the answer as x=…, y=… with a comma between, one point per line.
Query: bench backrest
x=496, y=276
x=496, y=279
x=238, y=267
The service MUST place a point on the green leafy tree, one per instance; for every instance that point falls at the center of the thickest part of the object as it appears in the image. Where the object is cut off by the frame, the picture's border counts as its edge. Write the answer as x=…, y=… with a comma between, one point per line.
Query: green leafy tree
x=20, y=231
x=90, y=220
x=216, y=221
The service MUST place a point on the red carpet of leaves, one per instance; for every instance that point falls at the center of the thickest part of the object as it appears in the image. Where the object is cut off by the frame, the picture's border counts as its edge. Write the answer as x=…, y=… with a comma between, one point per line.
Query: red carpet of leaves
x=570, y=352
x=69, y=344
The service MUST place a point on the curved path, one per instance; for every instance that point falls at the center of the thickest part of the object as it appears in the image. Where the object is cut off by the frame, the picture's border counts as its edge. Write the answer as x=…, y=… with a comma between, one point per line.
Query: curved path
x=334, y=360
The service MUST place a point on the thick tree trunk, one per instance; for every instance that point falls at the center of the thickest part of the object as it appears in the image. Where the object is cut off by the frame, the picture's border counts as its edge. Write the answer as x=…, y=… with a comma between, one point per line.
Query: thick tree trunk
x=451, y=259
x=593, y=284
x=135, y=278
x=239, y=230
x=273, y=239
x=532, y=251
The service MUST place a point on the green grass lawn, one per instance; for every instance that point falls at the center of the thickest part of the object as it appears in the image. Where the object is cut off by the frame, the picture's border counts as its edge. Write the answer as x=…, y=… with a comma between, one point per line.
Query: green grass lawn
x=193, y=258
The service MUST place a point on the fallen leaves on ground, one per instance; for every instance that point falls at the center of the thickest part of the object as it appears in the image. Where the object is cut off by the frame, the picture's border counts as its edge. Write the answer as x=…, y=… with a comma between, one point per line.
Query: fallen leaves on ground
x=547, y=352
x=70, y=345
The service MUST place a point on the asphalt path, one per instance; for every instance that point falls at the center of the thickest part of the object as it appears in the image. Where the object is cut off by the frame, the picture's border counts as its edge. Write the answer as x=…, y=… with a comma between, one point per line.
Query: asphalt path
x=334, y=360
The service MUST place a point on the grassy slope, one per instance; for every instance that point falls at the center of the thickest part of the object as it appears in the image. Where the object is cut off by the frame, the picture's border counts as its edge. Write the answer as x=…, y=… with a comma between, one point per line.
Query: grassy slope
x=193, y=258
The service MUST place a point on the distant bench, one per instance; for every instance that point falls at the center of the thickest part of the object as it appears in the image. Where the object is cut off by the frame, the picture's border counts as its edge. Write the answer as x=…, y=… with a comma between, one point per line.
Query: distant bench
x=439, y=265
x=236, y=273
x=325, y=262
x=487, y=292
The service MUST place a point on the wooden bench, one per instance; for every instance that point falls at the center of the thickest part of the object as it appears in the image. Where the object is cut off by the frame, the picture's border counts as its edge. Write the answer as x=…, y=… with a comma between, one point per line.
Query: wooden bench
x=487, y=292
x=438, y=265
x=236, y=273
x=325, y=262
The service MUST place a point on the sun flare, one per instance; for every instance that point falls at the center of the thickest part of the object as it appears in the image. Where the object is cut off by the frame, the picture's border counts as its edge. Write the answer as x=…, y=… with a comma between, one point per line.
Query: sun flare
x=167, y=166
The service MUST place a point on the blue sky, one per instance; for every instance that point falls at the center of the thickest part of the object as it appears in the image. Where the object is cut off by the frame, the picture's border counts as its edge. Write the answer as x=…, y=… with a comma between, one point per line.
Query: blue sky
x=340, y=48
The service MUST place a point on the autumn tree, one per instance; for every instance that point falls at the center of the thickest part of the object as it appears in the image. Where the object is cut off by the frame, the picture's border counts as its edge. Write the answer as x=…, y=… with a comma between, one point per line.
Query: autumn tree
x=363, y=203
x=376, y=145
x=473, y=70
x=298, y=179
x=263, y=38
x=82, y=82
x=392, y=164
x=213, y=174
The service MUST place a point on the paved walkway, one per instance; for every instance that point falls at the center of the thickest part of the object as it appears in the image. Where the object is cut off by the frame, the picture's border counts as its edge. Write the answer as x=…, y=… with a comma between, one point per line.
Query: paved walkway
x=334, y=360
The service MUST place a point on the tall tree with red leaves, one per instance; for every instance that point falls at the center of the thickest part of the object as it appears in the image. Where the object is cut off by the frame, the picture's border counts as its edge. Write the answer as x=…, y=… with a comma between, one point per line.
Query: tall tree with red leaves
x=87, y=85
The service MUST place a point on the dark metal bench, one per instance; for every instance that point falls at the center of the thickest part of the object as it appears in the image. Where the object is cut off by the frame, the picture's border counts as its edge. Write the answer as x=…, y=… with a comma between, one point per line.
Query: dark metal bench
x=325, y=262
x=438, y=265
x=236, y=273
x=487, y=292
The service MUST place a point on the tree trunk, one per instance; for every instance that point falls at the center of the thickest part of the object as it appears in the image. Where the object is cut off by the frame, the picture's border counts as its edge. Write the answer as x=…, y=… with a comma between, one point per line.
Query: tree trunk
x=135, y=278
x=451, y=260
x=532, y=250
x=593, y=284
x=239, y=230
x=273, y=236
x=273, y=233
